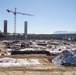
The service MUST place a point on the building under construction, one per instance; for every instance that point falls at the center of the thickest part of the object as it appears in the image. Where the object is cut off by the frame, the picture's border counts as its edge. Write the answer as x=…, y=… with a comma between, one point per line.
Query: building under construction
x=5, y=26
x=18, y=36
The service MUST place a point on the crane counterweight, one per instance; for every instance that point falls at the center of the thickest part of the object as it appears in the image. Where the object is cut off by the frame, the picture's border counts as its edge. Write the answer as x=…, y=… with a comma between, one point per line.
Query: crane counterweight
x=8, y=10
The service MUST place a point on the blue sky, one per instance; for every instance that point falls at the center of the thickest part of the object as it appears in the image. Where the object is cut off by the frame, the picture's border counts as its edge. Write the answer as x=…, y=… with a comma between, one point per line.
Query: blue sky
x=50, y=15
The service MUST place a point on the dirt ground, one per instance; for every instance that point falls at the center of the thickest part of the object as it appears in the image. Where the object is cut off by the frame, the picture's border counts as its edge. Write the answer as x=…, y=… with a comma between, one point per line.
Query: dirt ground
x=45, y=68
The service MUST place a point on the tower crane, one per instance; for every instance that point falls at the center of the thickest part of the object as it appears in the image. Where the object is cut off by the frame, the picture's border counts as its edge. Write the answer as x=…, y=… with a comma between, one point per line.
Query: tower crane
x=15, y=13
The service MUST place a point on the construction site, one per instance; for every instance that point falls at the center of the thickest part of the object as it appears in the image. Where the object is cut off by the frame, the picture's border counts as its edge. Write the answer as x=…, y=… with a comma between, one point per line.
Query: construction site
x=24, y=55
x=37, y=57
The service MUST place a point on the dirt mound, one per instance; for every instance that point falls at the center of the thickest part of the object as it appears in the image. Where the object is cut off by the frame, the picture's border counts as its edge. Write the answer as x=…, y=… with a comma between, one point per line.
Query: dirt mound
x=67, y=58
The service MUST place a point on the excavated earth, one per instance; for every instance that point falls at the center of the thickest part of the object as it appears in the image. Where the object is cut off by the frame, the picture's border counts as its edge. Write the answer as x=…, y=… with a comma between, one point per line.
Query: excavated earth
x=45, y=68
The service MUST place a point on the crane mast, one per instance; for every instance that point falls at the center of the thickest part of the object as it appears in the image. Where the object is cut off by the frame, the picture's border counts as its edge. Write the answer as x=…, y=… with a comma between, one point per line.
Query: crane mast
x=15, y=13
x=15, y=21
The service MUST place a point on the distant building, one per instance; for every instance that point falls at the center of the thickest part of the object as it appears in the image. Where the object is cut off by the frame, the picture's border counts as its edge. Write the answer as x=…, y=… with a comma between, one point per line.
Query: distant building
x=5, y=26
x=0, y=31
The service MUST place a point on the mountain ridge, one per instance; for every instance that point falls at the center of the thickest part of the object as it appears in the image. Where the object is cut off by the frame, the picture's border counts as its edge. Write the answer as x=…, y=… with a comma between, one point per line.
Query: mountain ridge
x=64, y=32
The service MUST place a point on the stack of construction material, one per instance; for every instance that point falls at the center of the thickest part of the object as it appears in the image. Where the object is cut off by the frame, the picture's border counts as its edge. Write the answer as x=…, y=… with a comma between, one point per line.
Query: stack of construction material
x=68, y=58
x=3, y=51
